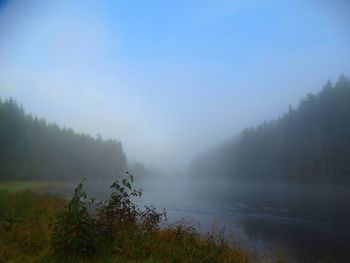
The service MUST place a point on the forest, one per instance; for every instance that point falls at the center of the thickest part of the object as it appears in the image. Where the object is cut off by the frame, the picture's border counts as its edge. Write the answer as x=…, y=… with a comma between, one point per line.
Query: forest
x=32, y=149
x=309, y=144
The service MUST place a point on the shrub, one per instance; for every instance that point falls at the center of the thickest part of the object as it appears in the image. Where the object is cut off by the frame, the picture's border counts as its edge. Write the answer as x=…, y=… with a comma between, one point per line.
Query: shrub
x=118, y=211
x=75, y=232
x=150, y=219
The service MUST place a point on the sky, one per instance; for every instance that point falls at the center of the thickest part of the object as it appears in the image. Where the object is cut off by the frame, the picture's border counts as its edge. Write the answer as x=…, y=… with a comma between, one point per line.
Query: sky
x=169, y=79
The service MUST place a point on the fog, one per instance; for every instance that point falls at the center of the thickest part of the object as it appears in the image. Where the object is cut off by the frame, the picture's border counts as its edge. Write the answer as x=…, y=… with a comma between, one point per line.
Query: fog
x=169, y=80
x=221, y=109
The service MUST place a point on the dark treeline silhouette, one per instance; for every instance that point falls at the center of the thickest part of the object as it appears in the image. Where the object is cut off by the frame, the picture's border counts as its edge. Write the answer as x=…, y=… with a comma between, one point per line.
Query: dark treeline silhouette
x=140, y=171
x=307, y=144
x=32, y=149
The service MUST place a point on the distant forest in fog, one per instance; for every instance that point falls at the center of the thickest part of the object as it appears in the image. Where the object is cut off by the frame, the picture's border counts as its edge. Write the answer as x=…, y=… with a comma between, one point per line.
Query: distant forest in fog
x=308, y=144
x=32, y=149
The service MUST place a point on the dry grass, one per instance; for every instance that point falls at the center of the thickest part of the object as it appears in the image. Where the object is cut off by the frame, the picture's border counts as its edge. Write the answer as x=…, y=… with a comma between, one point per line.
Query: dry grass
x=25, y=223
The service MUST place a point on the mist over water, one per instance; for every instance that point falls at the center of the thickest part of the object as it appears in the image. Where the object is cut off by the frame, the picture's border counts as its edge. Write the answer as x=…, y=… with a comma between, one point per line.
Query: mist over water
x=296, y=220
x=232, y=113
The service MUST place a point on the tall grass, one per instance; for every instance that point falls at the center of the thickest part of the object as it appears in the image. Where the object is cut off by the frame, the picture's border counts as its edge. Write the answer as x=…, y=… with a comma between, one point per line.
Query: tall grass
x=25, y=219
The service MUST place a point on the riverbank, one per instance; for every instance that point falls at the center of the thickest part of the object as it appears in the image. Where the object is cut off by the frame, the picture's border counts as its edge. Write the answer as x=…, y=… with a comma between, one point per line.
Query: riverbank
x=35, y=186
x=27, y=222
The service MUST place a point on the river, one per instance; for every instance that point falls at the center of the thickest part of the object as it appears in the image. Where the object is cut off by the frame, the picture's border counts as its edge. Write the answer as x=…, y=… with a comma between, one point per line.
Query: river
x=303, y=222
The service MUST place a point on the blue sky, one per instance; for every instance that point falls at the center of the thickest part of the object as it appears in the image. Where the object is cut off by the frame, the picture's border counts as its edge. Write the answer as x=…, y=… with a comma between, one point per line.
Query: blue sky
x=169, y=78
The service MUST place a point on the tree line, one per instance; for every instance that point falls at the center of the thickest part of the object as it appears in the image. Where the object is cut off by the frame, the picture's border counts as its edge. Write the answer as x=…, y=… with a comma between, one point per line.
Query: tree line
x=32, y=149
x=308, y=144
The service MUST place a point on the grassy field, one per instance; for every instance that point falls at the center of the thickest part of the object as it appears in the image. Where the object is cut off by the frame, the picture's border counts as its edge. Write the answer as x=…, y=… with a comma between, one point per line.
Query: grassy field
x=35, y=186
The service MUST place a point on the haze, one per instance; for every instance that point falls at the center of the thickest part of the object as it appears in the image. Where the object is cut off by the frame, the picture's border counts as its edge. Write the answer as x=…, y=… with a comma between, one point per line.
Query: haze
x=168, y=79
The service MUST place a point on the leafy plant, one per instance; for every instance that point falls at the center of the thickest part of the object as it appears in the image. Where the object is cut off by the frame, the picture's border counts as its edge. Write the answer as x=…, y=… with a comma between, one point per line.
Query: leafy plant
x=78, y=233
x=119, y=211
x=75, y=230
x=150, y=219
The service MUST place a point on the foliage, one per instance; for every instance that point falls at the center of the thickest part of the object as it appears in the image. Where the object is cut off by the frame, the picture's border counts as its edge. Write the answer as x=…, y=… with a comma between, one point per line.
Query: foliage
x=307, y=144
x=119, y=211
x=32, y=149
x=78, y=233
x=75, y=230
x=150, y=219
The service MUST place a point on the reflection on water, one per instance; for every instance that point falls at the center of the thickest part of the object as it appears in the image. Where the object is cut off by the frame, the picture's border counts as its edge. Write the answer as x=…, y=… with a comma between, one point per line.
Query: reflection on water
x=302, y=222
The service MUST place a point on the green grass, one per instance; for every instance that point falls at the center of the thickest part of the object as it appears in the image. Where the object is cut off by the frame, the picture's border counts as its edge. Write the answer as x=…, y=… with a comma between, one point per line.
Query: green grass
x=25, y=219
x=16, y=186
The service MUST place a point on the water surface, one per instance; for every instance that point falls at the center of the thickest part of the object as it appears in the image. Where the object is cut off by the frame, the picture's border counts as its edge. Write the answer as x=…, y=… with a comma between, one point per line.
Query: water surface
x=301, y=221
